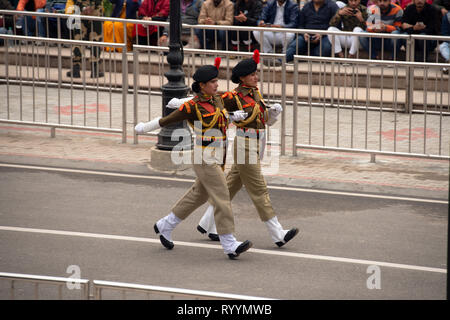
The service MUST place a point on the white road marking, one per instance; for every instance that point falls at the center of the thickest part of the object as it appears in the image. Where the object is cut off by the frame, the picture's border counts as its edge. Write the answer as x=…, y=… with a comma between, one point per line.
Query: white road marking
x=139, y=176
x=212, y=246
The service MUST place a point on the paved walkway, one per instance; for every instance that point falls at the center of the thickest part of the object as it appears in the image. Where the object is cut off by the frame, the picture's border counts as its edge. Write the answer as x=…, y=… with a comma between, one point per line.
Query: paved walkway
x=316, y=169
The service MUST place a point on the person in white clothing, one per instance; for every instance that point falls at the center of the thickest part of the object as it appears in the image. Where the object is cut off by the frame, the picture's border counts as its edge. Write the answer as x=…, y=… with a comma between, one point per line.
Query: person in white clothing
x=277, y=14
x=351, y=18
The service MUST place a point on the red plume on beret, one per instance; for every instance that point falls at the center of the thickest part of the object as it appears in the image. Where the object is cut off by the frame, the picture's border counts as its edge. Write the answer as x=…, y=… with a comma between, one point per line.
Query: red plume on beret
x=217, y=62
x=256, y=56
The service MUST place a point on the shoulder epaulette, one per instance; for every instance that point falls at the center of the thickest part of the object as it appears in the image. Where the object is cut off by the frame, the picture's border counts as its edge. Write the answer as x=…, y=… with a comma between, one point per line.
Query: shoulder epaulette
x=188, y=107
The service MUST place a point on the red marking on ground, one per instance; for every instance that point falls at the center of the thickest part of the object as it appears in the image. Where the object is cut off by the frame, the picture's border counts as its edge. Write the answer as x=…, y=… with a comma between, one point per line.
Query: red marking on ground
x=79, y=109
x=403, y=134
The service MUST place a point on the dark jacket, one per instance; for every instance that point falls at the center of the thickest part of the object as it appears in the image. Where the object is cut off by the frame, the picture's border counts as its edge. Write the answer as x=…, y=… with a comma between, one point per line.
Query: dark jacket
x=348, y=23
x=252, y=10
x=131, y=9
x=7, y=19
x=291, y=13
x=430, y=16
x=309, y=18
x=445, y=27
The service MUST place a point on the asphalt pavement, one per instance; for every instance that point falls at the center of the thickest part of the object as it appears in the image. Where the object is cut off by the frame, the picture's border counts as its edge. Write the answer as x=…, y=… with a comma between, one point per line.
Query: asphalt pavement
x=341, y=238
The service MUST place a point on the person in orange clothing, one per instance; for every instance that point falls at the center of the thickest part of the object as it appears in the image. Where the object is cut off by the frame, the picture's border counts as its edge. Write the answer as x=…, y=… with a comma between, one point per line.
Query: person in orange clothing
x=30, y=22
x=113, y=31
x=386, y=17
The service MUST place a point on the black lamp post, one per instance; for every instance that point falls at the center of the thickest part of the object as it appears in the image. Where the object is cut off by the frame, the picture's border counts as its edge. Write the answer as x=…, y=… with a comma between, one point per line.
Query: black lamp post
x=176, y=87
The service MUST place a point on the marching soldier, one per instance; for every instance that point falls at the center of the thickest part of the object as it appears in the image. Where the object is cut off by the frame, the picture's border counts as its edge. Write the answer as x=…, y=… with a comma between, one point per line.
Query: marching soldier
x=91, y=31
x=246, y=169
x=206, y=114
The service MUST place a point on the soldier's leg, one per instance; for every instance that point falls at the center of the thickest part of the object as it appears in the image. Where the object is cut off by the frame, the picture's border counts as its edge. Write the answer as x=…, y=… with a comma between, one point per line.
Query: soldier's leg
x=214, y=181
x=206, y=224
x=256, y=186
x=191, y=200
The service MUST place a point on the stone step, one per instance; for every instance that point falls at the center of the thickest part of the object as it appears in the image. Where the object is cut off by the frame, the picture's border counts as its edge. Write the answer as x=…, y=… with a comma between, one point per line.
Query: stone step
x=373, y=76
x=315, y=94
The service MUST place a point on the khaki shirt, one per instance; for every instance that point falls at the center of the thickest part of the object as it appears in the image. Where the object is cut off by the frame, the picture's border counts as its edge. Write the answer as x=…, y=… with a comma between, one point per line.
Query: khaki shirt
x=223, y=14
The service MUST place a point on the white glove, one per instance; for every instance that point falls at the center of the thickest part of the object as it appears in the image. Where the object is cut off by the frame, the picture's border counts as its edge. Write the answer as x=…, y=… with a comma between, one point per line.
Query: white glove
x=274, y=111
x=174, y=103
x=143, y=127
x=238, y=115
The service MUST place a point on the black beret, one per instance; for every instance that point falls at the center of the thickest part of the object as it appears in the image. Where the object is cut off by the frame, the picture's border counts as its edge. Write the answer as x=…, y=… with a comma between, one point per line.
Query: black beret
x=208, y=72
x=245, y=67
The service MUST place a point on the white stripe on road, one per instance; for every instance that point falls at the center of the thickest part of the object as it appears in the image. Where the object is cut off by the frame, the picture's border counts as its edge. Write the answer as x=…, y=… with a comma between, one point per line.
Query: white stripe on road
x=212, y=246
x=139, y=176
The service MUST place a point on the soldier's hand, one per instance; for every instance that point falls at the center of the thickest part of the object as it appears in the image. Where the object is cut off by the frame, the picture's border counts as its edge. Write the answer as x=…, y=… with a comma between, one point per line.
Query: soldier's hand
x=276, y=109
x=238, y=115
x=139, y=128
x=175, y=102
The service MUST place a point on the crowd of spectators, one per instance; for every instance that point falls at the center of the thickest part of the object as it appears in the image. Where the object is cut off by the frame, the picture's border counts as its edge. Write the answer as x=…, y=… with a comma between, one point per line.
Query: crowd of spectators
x=403, y=17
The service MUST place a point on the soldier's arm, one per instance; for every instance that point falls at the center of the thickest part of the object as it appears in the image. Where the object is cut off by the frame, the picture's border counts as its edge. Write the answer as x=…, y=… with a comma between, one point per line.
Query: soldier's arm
x=184, y=112
x=229, y=102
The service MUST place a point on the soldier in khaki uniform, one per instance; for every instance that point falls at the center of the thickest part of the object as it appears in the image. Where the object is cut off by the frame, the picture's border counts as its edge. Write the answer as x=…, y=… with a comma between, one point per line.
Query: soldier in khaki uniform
x=90, y=31
x=246, y=169
x=206, y=114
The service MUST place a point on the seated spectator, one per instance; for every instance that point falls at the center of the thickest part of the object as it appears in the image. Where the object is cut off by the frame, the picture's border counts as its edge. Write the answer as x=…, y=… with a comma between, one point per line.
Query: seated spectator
x=364, y=3
x=442, y=5
x=246, y=13
x=421, y=18
x=352, y=18
x=57, y=6
x=315, y=15
x=277, y=14
x=404, y=3
x=214, y=12
x=190, y=10
x=383, y=18
x=444, y=48
x=113, y=31
x=6, y=21
x=156, y=10
x=29, y=22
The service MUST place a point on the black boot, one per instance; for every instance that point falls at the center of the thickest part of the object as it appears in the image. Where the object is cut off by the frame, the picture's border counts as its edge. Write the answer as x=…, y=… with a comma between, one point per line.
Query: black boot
x=75, y=73
x=95, y=71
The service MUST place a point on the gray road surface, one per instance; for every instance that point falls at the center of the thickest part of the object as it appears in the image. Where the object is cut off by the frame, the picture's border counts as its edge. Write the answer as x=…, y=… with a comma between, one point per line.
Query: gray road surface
x=406, y=233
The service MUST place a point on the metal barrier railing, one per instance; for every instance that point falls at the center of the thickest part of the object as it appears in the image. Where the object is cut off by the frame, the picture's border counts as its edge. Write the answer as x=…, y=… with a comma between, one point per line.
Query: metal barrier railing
x=23, y=83
x=326, y=125
x=98, y=286
x=37, y=280
x=408, y=40
x=389, y=87
x=196, y=57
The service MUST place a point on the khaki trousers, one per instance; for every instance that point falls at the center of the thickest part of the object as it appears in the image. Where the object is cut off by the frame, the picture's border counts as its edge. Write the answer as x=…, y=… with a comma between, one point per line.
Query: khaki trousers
x=246, y=170
x=210, y=184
